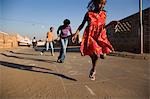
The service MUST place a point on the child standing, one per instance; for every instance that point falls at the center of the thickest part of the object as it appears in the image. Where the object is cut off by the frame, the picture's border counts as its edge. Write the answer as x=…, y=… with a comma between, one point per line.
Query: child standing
x=63, y=32
x=34, y=42
x=49, y=41
x=94, y=42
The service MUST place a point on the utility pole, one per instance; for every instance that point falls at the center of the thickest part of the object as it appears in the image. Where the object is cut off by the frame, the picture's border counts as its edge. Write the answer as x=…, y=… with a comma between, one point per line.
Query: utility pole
x=141, y=26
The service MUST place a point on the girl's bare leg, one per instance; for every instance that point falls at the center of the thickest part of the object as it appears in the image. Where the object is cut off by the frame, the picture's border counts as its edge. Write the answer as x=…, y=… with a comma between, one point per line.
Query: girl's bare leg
x=94, y=59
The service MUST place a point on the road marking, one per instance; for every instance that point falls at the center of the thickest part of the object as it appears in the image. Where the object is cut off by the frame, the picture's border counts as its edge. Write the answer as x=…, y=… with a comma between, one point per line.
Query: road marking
x=74, y=73
x=32, y=64
x=90, y=90
x=65, y=90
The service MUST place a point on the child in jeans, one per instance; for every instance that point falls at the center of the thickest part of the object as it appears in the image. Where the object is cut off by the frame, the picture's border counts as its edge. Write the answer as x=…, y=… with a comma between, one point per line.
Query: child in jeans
x=49, y=41
x=63, y=32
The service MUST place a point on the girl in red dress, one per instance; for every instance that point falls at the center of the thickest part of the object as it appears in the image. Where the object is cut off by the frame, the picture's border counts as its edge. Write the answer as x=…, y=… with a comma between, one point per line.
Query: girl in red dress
x=94, y=42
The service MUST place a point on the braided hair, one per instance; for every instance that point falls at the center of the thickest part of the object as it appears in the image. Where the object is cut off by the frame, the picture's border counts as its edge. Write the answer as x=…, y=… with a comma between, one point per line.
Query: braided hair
x=92, y=3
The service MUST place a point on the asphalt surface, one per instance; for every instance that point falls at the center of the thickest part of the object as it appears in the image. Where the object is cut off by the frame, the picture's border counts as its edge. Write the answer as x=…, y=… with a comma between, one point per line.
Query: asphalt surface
x=25, y=74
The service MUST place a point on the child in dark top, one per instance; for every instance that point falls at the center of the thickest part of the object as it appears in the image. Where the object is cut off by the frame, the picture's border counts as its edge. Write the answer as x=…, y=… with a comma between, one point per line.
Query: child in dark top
x=34, y=42
x=63, y=32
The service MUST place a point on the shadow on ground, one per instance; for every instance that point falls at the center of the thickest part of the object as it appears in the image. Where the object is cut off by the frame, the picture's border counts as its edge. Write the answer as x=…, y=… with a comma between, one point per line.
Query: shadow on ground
x=31, y=68
x=27, y=58
x=57, y=49
x=22, y=53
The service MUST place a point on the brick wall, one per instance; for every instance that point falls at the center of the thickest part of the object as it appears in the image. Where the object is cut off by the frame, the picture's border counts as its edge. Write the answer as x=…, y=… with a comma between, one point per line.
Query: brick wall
x=7, y=41
x=125, y=34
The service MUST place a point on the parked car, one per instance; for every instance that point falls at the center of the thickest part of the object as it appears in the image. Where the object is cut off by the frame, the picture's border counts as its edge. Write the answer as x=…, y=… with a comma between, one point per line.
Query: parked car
x=41, y=43
x=25, y=42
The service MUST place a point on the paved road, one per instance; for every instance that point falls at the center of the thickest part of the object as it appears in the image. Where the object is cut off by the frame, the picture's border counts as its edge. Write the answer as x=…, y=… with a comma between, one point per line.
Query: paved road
x=25, y=74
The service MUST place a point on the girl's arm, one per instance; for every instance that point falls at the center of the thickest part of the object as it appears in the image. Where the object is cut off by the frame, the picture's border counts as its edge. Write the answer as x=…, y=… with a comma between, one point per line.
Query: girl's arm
x=80, y=27
x=82, y=24
x=58, y=30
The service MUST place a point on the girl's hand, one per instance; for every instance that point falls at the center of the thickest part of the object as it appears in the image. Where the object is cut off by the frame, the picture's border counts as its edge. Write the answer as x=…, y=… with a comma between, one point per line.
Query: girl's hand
x=74, y=38
x=58, y=38
x=112, y=50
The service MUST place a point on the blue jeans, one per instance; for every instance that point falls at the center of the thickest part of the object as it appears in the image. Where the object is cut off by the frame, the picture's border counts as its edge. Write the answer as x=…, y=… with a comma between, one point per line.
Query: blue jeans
x=64, y=43
x=51, y=45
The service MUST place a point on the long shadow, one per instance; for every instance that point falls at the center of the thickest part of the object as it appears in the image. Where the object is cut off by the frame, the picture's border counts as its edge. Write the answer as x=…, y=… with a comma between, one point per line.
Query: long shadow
x=31, y=68
x=23, y=53
x=19, y=57
x=57, y=49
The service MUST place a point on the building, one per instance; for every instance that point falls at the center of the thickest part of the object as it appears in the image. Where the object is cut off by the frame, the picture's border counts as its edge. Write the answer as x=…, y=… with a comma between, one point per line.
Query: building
x=125, y=33
x=7, y=40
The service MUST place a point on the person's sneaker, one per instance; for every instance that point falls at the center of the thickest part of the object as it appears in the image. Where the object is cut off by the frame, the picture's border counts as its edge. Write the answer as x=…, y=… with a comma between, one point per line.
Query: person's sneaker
x=59, y=61
x=103, y=56
x=53, y=54
x=92, y=75
x=41, y=53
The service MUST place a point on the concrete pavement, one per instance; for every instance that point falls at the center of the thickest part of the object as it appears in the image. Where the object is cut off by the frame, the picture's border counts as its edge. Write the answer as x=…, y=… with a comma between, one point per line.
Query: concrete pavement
x=25, y=74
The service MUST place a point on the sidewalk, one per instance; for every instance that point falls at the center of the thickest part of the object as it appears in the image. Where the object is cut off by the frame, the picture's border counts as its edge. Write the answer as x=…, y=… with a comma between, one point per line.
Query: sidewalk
x=144, y=56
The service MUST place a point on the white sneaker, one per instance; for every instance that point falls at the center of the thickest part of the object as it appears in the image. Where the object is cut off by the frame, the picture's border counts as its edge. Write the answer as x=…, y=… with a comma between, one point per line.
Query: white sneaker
x=92, y=75
x=53, y=54
x=41, y=53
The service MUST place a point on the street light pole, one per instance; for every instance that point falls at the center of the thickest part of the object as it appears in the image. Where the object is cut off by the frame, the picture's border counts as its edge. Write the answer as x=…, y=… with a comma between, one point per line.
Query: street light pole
x=141, y=25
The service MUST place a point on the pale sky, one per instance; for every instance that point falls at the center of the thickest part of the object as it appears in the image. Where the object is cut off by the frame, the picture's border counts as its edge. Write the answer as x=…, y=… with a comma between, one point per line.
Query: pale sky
x=34, y=17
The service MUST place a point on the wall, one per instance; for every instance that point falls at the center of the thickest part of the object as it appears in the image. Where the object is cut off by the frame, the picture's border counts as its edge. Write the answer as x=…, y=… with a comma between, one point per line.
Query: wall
x=125, y=34
x=7, y=41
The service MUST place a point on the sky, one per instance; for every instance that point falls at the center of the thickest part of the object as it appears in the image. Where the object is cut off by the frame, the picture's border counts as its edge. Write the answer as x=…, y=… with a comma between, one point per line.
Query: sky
x=33, y=18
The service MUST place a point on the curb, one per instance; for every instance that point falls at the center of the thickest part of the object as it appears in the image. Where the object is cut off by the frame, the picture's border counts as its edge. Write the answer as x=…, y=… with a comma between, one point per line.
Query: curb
x=130, y=55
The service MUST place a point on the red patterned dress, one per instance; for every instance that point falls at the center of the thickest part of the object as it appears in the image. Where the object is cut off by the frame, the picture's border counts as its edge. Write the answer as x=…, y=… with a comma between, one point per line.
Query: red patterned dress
x=94, y=38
